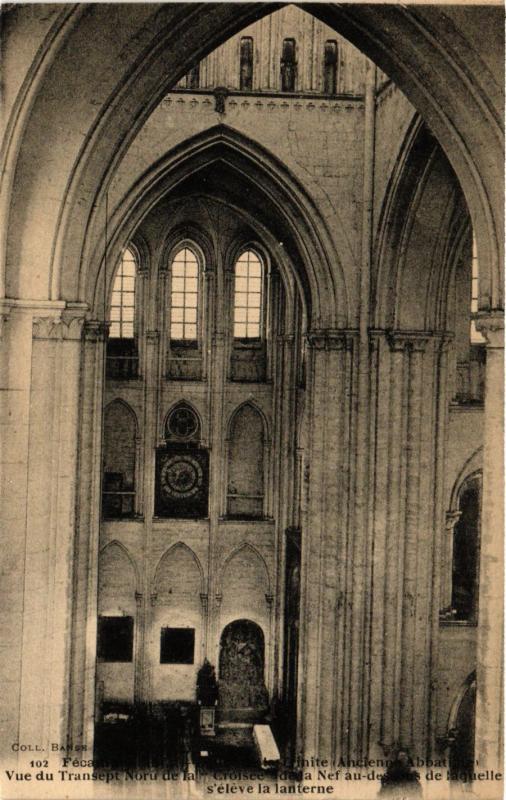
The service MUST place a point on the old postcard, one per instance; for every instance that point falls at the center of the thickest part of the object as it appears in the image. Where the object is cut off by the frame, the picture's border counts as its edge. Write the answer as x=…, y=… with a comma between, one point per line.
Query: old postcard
x=252, y=422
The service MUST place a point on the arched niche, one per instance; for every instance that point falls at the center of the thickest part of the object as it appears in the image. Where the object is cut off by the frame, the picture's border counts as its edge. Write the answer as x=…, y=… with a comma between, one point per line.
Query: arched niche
x=245, y=586
x=119, y=460
x=178, y=576
x=241, y=671
x=117, y=579
x=461, y=731
x=247, y=442
x=118, y=582
x=176, y=643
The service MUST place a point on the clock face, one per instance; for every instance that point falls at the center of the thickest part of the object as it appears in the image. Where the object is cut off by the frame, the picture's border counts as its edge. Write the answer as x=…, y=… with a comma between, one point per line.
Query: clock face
x=181, y=476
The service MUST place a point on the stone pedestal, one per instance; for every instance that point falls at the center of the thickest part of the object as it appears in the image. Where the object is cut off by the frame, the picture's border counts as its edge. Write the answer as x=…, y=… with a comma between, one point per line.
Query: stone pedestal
x=207, y=720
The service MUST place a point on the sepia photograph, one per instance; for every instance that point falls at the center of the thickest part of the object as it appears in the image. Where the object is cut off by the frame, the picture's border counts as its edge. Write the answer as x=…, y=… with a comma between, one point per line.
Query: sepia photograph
x=252, y=400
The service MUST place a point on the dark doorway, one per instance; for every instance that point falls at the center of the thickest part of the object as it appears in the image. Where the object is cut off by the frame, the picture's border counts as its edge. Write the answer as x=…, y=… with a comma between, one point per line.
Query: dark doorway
x=462, y=750
x=242, y=659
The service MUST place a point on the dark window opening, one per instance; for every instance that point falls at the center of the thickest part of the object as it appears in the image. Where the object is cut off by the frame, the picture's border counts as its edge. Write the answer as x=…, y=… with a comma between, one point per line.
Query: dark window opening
x=177, y=645
x=246, y=64
x=115, y=639
x=330, y=67
x=465, y=554
x=118, y=496
x=288, y=66
x=193, y=77
x=122, y=362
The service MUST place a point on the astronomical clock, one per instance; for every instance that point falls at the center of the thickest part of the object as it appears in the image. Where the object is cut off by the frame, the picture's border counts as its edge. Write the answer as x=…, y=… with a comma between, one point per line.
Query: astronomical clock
x=182, y=482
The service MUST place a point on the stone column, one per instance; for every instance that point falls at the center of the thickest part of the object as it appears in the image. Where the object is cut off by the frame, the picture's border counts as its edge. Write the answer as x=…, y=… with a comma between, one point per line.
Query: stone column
x=324, y=567
x=282, y=463
x=16, y=344
x=489, y=673
x=452, y=517
x=408, y=411
x=152, y=434
x=219, y=342
x=41, y=437
x=89, y=467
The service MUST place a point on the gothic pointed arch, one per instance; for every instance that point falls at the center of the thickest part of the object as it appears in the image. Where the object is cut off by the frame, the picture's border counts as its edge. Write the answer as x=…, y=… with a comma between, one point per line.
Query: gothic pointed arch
x=119, y=460
x=118, y=576
x=471, y=466
x=183, y=423
x=252, y=557
x=248, y=449
x=180, y=564
x=400, y=41
x=274, y=196
x=423, y=199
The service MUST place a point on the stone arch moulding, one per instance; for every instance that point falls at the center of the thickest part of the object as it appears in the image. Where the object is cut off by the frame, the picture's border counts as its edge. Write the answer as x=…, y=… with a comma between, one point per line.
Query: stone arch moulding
x=320, y=274
x=454, y=709
x=126, y=553
x=187, y=235
x=256, y=408
x=174, y=548
x=127, y=407
x=472, y=466
x=429, y=52
x=191, y=405
x=406, y=208
x=255, y=553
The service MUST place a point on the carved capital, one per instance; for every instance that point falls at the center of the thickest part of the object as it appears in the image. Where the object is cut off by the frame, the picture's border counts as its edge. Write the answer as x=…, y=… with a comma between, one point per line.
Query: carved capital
x=220, y=95
x=138, y=599
x=269, y=599
x=152, y=337
x=445, y=341
x=409, y=341
x=491, y=325
x=69, y=326
x=204, y=601
x=4, y=316
x=331, y=339
x=452, y=517
x=95, y=331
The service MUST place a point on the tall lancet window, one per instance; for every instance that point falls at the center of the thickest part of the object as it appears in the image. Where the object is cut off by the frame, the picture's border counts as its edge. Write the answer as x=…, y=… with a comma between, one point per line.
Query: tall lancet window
x=184, y=296
x=246, y=64
x=465, y=560
x=122, y=316
x=288, y=66
x=248, y=296
x=475, y=335
x=122, y=357
x=330, y=67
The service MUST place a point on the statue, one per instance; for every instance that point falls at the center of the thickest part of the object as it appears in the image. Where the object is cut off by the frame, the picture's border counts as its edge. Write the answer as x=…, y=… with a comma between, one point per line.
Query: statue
x=207, y=685
x=207, y=698
x=400, y=779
